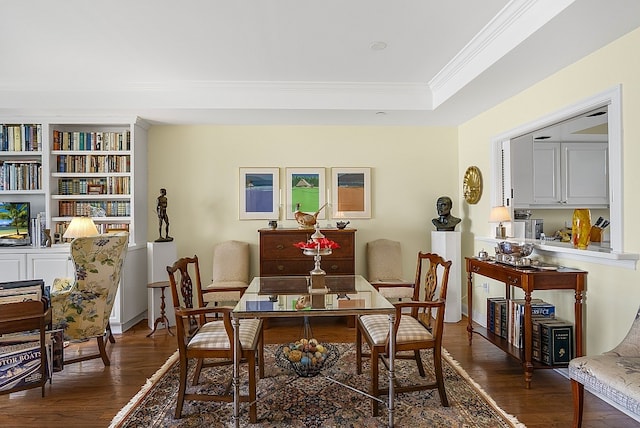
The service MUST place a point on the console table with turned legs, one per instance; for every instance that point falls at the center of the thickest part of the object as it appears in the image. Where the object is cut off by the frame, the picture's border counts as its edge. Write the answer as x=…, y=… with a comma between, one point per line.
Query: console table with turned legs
x=528, y=280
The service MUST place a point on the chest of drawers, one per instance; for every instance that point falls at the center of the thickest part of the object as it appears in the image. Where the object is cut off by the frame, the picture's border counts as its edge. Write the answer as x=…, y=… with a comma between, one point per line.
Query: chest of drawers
x=278, y=256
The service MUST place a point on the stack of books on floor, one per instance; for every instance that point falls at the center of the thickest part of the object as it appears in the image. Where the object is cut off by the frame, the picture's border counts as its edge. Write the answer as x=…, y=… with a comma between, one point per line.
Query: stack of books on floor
x=552, y=338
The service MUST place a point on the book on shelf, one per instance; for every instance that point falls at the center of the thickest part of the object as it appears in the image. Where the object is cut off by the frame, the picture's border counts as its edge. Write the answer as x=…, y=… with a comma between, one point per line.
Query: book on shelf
x=493, y=314
x=539, y=309
x=554, y=341
x=502, y=318
x=505, y=317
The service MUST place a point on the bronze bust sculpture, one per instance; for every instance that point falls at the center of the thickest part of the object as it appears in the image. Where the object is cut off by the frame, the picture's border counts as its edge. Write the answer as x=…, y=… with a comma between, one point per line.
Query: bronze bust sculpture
x=445, y=221
x=161, y=209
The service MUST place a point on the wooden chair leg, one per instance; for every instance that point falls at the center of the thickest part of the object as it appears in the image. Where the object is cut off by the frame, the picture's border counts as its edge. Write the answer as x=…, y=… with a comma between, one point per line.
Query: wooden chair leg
x=374, y=380
x=182, y=387
x=110, y=334
x=577, y=390
x=103, y=350
x=261, y=356
x=198, y=370
x=437, y=366
x=358, y=349
x=416, y=356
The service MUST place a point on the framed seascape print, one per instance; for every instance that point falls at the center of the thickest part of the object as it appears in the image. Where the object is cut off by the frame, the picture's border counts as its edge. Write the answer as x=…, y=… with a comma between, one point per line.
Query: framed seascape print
x=259, y=193
x=305, y=186
x=351, y=192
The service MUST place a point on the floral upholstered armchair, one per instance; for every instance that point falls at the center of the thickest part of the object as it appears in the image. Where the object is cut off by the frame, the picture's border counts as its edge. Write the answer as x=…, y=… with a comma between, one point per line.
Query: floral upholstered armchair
x=82, y=305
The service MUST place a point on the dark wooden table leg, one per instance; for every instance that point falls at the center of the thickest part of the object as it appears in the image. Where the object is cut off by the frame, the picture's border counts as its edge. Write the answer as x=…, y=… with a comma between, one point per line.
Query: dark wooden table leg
x=469, y=302
x=163, y=317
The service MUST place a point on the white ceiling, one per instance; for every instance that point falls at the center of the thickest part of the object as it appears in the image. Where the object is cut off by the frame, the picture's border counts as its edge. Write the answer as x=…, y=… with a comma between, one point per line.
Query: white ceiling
x=291, y=61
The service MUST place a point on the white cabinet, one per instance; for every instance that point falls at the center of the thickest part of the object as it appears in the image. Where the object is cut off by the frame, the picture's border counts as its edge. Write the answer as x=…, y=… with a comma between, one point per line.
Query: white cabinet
x=48, y=265
x=13, y=267
x=521, y=149
x=570, y=175
x=130, y=305
x=19, y=263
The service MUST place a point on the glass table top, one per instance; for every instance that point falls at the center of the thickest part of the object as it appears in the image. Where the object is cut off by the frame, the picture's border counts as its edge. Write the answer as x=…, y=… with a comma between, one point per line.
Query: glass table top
x=286, y=296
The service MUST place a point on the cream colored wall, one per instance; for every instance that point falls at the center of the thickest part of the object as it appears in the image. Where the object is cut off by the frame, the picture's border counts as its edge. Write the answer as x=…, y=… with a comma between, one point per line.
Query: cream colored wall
x=613, y=294
x=198, y=165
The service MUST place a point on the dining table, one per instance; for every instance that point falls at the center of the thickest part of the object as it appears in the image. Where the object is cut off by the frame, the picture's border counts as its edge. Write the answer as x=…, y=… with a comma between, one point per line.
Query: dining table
x=281, y=297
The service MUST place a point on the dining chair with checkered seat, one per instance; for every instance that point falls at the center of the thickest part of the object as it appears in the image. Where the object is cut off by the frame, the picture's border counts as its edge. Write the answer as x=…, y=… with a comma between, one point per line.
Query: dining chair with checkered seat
x=420, y=328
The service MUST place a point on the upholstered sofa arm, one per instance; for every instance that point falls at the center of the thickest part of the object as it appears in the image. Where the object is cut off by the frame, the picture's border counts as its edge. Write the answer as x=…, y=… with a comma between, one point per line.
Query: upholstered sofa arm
x=61, y=285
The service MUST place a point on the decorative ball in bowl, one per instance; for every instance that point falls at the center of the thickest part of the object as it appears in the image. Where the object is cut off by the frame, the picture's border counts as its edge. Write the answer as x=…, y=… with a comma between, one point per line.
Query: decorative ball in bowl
x=342, y=224
x=306, y=357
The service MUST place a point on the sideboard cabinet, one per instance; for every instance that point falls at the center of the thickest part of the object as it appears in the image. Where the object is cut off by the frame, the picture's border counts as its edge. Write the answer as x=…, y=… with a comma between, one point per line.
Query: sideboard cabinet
x=279, y=256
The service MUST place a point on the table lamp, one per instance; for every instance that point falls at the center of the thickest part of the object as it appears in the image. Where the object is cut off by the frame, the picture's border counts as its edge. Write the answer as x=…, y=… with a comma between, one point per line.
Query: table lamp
x=80, y=227
x=498, y=215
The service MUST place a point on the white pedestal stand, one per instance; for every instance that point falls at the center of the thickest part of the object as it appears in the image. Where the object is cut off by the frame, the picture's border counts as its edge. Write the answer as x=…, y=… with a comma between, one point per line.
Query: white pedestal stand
x=159, y=256
x=447, y=245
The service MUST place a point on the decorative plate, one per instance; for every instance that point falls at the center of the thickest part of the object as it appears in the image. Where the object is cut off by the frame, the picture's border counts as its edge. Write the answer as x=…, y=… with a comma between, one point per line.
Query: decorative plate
x=472, y=185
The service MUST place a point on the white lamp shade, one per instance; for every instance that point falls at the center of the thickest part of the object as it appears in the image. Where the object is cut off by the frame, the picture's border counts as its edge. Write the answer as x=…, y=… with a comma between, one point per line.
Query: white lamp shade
x=80, y=227
x=499, y=214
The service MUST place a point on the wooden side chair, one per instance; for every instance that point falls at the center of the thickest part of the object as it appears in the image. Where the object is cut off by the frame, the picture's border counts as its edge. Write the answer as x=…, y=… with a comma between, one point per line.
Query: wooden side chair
x=421, y=328
x=384, y=270
x=200, y=339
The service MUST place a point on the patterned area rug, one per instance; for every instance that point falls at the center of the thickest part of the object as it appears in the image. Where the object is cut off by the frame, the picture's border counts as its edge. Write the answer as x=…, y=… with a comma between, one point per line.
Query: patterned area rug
x=287, y=400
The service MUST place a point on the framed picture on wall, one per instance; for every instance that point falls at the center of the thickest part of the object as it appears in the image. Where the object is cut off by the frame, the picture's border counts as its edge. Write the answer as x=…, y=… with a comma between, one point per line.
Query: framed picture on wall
x=259, y=193
x=351, y=192
x=305, y=186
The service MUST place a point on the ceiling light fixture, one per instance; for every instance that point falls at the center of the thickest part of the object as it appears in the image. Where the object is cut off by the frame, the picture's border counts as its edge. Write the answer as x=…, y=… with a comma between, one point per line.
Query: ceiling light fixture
x=378, y=46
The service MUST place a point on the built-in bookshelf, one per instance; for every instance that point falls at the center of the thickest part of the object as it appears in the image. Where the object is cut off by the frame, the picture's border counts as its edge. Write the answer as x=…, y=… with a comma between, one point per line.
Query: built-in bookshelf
x=69, y=166
x=95, y=168
x=21, y=158
x=93, y=175
x=66, y=168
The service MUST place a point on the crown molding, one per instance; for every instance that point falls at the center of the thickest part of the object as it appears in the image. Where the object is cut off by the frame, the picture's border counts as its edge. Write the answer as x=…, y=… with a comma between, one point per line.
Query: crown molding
x=223, y=95
x=518, y=20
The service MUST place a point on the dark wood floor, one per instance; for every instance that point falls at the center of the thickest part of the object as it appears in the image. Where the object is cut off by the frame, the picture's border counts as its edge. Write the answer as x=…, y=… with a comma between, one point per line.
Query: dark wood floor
x=89, y=395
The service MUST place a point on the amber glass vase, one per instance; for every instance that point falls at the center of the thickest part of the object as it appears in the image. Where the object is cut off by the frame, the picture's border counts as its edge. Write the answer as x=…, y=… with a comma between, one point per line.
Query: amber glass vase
x=581, y=230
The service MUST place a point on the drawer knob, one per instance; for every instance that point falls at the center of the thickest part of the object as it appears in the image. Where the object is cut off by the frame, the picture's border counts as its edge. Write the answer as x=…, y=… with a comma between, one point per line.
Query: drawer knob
x=280, y=268
x=334, y=267
x=513, y=280
x=280, y=247
x=476, y=269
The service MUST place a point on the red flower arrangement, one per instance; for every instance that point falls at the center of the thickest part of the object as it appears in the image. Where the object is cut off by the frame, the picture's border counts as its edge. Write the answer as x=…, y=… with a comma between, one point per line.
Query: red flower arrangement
x=312, y=245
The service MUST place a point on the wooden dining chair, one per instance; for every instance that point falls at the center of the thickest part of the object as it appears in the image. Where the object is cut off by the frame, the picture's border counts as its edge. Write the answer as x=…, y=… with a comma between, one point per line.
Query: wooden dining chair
x=420, y=328
x=201, y=339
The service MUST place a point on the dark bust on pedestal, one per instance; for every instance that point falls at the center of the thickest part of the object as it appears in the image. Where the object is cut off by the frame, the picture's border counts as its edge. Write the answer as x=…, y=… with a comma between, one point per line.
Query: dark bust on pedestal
x=445, y=221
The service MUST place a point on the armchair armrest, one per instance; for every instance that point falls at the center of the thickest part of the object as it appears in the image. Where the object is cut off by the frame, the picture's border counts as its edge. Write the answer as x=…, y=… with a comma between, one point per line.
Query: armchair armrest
x=62, y=284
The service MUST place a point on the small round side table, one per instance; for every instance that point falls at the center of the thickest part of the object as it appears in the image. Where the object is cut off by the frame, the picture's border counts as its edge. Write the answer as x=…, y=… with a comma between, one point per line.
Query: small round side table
x=163, y=317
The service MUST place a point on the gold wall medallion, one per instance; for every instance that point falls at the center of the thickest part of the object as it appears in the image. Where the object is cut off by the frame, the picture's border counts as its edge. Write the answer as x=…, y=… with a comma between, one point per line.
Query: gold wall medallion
x=472, y=185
